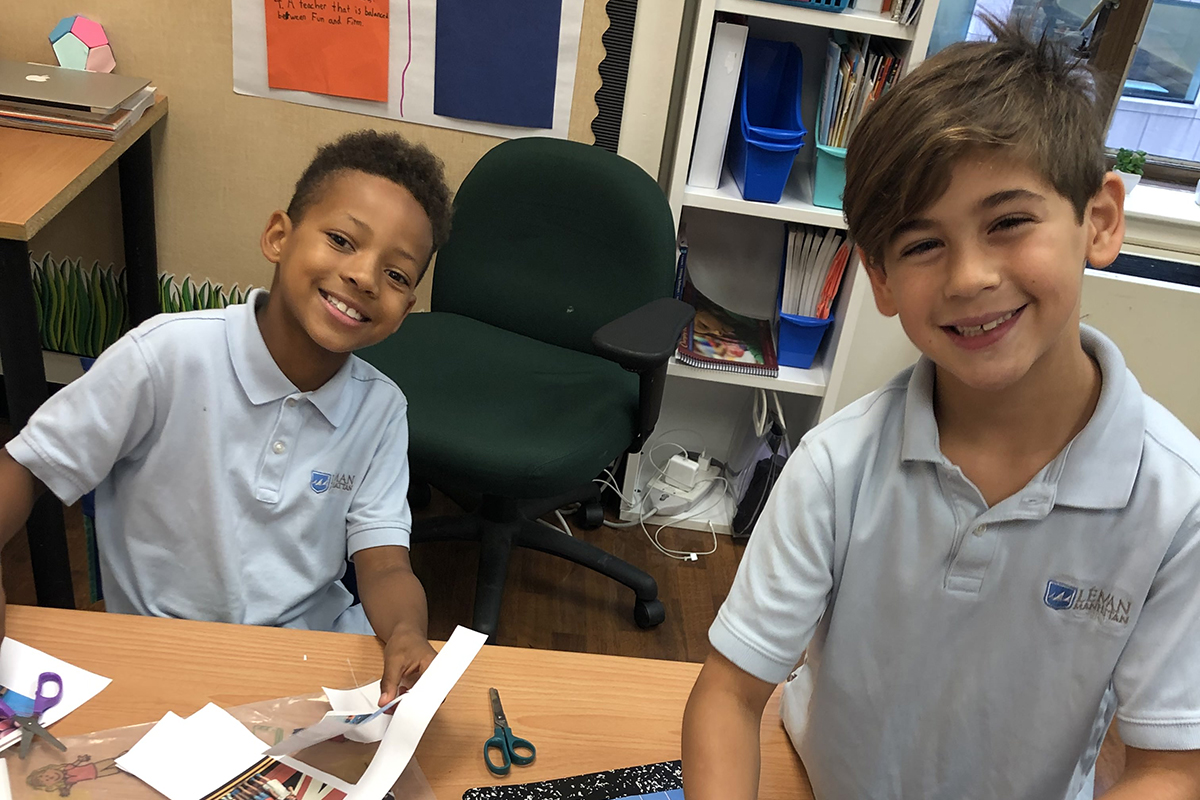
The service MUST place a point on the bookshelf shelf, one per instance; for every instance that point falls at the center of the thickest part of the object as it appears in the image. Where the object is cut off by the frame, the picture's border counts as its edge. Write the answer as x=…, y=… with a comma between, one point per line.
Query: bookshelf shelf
x=791, y=380
x=848, y=20
x=796, y=205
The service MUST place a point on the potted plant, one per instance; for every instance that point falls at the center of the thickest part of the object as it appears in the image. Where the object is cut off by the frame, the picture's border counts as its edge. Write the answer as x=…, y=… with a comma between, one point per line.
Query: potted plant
x=1130, y=166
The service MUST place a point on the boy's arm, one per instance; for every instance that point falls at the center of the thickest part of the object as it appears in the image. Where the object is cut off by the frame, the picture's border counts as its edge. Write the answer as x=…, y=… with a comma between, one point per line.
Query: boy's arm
x=720, y=732
x=18, y=491
x=1160, y=774
x=395, y=604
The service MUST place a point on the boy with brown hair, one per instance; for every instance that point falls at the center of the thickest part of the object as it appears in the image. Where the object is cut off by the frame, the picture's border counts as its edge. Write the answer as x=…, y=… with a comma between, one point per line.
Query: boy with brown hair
x=999, y=550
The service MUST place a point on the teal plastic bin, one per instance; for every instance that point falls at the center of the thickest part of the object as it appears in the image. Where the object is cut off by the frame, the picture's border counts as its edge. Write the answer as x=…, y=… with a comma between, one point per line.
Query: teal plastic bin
x=829, y=176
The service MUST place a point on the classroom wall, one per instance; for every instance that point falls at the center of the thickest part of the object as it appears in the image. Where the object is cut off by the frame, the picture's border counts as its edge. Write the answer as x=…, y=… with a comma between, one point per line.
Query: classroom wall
x=224, y=162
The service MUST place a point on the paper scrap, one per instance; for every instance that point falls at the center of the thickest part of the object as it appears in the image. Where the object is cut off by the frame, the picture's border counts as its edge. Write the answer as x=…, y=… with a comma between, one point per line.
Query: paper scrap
x=333, y=724
x=331, y=47
x=20, y=666
x=218, y=747
x=361, y=700
x=413, y=715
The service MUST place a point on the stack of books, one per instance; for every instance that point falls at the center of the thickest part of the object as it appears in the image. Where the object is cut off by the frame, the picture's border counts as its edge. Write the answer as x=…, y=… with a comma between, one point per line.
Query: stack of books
x=812, y=273
x=858, y=71
x=57, y=100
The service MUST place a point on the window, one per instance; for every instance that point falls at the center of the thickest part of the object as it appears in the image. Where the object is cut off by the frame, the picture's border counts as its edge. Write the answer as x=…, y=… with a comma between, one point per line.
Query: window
x=1158, y=107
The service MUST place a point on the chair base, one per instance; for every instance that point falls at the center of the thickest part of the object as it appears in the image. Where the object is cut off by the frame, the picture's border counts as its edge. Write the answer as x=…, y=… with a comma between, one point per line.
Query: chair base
x=500, y=524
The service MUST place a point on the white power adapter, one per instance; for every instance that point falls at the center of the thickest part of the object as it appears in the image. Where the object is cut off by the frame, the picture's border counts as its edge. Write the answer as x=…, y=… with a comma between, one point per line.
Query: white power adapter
x=680, y=485
x=681, y=472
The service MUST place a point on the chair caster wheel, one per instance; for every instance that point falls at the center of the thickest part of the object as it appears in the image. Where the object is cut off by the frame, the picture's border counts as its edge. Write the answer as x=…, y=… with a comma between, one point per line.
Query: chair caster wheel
x=649, y=613
x=590, y=515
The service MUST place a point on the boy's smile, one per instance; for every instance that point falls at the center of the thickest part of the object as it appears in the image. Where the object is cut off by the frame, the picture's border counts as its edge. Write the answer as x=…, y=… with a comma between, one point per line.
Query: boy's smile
x=346, y=273
x=987, y=280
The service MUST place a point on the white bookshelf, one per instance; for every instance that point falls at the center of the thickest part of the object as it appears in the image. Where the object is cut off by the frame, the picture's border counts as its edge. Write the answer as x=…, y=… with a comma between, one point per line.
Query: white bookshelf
x=848, y=20
x=856, y=327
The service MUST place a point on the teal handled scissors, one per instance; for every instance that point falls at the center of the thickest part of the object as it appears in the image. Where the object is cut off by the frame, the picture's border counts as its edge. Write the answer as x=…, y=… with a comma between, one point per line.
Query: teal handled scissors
x=504, y=741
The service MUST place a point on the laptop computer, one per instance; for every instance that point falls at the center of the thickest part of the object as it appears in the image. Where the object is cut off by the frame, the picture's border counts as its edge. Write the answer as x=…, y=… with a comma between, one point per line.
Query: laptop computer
x=48, y=87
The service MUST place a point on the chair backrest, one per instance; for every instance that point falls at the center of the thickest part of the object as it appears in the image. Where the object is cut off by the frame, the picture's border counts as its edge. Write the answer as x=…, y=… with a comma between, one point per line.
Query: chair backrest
x=552, y=239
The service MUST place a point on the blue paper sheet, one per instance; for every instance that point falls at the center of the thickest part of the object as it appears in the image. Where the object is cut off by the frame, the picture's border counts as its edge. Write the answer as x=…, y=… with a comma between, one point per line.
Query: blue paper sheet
x=497, y=61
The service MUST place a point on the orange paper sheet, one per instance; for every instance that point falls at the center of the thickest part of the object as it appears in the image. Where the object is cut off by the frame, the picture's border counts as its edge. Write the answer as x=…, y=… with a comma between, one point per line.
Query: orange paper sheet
x=335, y=47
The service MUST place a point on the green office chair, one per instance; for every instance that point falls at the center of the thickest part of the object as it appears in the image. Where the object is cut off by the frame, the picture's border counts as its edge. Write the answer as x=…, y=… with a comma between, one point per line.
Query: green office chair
x=544, y=356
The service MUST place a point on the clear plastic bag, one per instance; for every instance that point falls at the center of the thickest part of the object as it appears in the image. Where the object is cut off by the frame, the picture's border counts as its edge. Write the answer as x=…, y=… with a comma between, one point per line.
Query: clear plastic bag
x=88, y=770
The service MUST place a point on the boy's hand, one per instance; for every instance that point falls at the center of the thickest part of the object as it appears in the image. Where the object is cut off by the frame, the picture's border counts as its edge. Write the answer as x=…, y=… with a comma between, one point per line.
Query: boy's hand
x=406, y=656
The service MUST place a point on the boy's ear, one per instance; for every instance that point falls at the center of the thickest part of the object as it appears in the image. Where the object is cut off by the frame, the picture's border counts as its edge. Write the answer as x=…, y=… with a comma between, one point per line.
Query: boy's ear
x=883, y=293
x=1104, y=222
x=279, y=227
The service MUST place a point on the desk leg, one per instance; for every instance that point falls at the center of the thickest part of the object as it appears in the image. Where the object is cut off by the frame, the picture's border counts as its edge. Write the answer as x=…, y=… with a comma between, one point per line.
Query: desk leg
x=136, y=171
x=25, y=385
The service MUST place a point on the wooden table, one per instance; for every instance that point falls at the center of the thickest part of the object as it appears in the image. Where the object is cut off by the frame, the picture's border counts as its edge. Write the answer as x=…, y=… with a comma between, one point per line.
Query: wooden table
x=585, y=713
x=39, y=174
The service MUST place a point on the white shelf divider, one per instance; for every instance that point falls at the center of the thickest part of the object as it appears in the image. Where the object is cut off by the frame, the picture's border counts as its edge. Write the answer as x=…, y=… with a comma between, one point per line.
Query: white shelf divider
x=795, y=206
x=848, y=20
x=791, y=380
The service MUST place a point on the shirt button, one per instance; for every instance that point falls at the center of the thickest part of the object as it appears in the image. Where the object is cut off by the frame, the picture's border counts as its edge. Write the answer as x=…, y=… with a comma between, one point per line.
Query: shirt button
x=981, y=530
x=291, y=401
x=279, y=447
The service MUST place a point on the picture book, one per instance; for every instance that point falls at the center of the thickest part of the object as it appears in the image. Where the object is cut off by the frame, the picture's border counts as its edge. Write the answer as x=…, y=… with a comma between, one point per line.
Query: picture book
x=719, y=339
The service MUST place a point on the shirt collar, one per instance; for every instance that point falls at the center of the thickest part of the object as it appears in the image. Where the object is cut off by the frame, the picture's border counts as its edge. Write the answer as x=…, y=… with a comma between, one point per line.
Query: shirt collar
x=1100, y=464
x=259, y=375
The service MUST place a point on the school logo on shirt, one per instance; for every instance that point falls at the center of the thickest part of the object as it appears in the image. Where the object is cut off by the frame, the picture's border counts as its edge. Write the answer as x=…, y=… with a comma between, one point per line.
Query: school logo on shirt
x=322, y=482
x=1092, y=602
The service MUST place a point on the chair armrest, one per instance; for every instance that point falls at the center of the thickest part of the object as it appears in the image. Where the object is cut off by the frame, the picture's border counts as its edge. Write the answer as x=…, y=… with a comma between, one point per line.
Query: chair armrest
x=646, y=337
x=642, y=341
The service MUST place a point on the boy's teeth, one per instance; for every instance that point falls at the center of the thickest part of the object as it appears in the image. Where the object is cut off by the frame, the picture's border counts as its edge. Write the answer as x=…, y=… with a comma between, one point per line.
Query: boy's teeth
x=976, y=330
x=353, y=313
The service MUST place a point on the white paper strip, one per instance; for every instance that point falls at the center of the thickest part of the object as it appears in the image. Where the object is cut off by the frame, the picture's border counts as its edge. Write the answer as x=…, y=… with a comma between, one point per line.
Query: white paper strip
x=413, y=715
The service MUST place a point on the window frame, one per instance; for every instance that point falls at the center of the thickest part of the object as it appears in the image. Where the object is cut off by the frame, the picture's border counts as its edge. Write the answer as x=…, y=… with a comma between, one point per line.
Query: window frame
x=1120, y=30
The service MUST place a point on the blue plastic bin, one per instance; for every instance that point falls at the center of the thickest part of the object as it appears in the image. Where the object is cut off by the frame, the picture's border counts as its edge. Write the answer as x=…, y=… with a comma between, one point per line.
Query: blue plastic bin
x=836, y=6
x=829, y=176
x=769, y=133
x=800, y=338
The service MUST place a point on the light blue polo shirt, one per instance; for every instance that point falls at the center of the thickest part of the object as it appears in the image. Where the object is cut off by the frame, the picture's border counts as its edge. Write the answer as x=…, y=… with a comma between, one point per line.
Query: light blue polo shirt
x=222, y=491
x=961, y=651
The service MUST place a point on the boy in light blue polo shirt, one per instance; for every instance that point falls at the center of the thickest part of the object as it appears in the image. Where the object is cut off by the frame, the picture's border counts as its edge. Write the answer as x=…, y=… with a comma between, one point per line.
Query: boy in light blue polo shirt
x=241, y=455
x=964, y=576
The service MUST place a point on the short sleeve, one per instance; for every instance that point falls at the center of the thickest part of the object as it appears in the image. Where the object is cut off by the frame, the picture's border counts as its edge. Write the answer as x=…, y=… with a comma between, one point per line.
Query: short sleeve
x=379, y=513
x=1157, y=678
x=785, y=577
x=73, y=440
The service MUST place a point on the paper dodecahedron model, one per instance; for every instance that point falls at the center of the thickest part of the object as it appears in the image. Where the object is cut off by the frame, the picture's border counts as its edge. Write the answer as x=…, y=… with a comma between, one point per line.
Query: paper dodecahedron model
x=80, y=43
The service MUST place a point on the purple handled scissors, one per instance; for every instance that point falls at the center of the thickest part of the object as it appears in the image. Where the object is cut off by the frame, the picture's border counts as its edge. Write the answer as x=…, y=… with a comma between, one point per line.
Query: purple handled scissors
x=29, y=724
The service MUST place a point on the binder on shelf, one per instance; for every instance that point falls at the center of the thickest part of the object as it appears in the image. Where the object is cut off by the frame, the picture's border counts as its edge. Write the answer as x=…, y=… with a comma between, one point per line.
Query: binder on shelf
x=716, y=105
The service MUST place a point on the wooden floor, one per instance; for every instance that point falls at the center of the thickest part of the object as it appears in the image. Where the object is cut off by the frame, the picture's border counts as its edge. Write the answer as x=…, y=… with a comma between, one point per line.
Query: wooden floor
x=553, y=604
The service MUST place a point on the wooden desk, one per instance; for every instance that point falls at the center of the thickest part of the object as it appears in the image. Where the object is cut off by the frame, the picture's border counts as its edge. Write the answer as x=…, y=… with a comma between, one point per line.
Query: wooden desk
x=585, y=713
x=39, y=174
